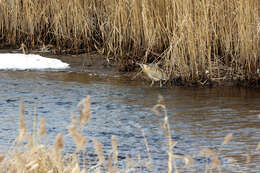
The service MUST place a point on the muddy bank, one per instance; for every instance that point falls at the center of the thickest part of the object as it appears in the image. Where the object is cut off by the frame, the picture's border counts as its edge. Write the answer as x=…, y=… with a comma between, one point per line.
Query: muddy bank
x=198, y=44
x=100, y=65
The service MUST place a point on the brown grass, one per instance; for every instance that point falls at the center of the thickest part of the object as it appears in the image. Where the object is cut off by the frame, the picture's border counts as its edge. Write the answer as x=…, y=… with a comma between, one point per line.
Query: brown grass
x=191, y=40
x=227, y=139
x=43, y=158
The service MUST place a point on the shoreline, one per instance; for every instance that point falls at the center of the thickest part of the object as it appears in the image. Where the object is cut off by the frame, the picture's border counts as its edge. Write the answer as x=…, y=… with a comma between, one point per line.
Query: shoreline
x=100, y=64
x=192, y=44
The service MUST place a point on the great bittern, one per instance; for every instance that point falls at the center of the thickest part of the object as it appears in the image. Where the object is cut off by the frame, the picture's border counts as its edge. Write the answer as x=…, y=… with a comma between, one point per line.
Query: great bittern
x=154, y=72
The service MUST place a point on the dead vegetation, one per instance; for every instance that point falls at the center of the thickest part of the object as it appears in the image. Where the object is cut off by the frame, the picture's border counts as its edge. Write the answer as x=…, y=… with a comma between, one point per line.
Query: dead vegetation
x=31, y=154
x=197, y=41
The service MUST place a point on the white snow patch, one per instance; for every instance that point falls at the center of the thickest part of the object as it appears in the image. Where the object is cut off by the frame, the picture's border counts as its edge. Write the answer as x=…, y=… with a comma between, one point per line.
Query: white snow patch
x=11, y=61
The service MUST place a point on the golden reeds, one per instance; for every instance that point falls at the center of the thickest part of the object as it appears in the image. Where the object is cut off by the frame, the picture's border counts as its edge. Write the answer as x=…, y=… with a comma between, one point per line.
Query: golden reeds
x=114, y=150
x=191, y=40
x=77, y=136
x=99, y=150
x=59, y=143
x=42, y=129
x=258, y=147
x=215, y=163
x=41, y=158
x=2, y=158
x=22, y=125
x=227, y=139
x=84, y=111
x=77, y=125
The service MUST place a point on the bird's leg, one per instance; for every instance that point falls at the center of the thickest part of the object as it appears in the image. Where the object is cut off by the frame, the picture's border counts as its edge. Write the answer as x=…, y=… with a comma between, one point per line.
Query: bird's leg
x=152, y=83
x=160, y=83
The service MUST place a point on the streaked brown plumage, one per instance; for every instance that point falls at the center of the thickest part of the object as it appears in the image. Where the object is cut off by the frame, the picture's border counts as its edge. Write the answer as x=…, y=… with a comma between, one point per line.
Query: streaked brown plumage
x=154, y=72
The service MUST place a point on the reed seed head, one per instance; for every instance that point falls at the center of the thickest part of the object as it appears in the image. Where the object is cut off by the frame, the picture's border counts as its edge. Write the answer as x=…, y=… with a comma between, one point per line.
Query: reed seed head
x=215, y=163
x=258, y=147
x=59, y=143
x=84, y=111
x=22, y=125
x=99, y=150
x=1, y=158
x=249, y=157
x=227, y=139
x=114, y=149
x=42, y=129
x=76, y=169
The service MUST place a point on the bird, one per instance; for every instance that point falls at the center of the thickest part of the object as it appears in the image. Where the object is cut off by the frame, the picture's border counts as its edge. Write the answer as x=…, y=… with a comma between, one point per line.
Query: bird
x=154, y=72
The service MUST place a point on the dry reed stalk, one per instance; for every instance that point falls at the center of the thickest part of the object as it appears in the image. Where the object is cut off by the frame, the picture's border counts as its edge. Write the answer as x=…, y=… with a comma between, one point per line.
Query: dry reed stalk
x=258, y=147
x=83, y=171
x=42, y=129
x=115, y=151
x=167, y=131
x=85, y=114
x=215, y=163
x=32, y=165
x=186, y=38
x=99, y=150
x=39, y=158
x=248, y=157
x=81, y=142
x=233, y=161
x=156, y=109
x=128, y=163
x=19, y=163
x=110, y=165
x=77, y=125
x=30, y=141
x=34, y=133
x=227, y=139
x=186, y=159
x=1, y=158
x=59, y=143
x=149, y=165
x=22, y=124
x=78, y=138
x=76, y=169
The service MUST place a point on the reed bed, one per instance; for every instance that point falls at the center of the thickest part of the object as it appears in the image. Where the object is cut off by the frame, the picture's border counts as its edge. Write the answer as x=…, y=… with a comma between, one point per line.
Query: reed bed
x=31, y=154
x=199, y=41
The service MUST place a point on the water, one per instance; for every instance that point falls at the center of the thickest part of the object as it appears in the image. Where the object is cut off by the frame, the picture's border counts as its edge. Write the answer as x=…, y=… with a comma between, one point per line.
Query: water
x=199, y=117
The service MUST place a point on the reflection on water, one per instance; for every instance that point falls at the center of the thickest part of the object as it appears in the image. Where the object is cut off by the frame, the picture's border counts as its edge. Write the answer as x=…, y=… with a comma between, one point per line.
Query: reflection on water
x=199, y=117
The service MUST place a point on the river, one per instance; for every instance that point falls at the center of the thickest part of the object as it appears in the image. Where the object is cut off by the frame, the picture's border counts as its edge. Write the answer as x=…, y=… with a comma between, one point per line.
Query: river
x=199, y=117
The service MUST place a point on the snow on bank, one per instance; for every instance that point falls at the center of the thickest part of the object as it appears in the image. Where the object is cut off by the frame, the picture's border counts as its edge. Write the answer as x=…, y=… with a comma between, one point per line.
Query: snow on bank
x=12, y=61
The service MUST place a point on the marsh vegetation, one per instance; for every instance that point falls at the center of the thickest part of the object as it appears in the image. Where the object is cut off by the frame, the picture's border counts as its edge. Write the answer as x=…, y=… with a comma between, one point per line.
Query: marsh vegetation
x=30, y=152
x=192, y=41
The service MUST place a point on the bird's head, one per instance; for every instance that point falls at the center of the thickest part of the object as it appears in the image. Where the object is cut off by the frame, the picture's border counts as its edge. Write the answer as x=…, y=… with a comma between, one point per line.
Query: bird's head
x=145, y=68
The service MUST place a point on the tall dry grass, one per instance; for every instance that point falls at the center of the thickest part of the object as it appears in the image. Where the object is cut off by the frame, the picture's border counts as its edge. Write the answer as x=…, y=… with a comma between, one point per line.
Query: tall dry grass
x=191, y=40
x=31, y=154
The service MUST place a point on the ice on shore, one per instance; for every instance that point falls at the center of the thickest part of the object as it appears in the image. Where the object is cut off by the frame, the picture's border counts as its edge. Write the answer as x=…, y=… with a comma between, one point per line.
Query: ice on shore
x=15, y=61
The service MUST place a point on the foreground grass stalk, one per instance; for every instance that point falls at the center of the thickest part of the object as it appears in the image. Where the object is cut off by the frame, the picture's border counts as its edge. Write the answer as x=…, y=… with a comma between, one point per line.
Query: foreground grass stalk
x=30, y=155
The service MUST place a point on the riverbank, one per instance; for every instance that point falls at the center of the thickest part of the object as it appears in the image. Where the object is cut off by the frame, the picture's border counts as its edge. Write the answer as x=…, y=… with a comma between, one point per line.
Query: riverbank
x=202, y=43
x=100, y=64
x=93, y=62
